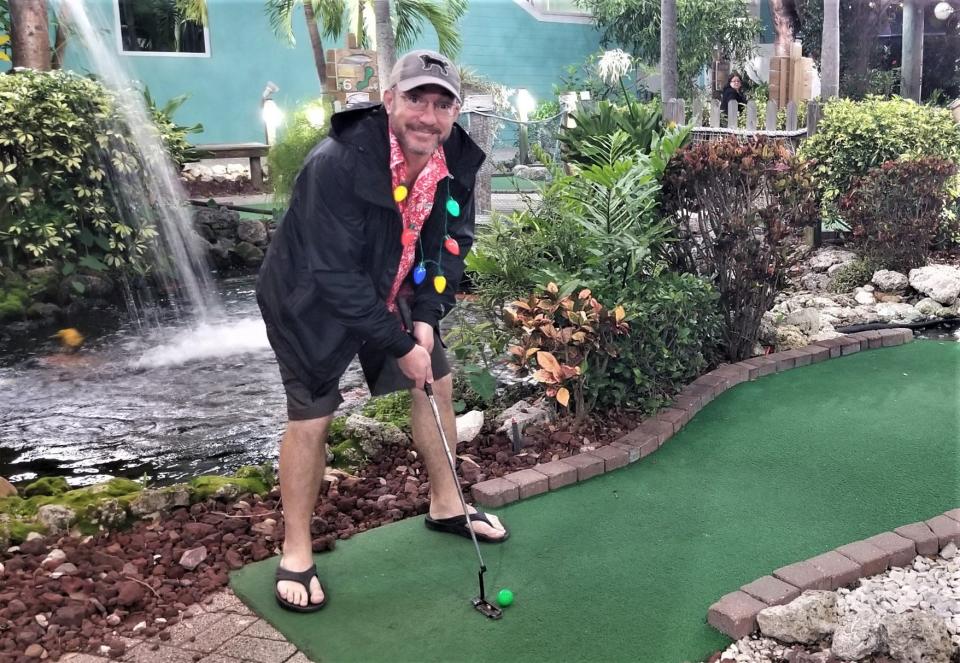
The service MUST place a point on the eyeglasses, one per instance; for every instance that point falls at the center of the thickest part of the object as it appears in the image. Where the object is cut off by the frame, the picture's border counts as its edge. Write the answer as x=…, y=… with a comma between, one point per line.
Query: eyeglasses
x=419, y=104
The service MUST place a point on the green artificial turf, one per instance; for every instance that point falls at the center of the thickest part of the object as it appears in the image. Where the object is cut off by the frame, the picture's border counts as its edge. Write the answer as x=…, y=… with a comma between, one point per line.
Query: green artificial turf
x=623, y=567
x=511, y=184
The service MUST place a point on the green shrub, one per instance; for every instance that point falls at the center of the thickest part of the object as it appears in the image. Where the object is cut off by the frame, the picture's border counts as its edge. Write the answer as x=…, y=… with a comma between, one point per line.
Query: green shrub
x=853, y=275
x=61, y=155
x=174, y=136
x=306, y=126
x=737, y=207
x=895, y=210
x=640, y=123
x=855, y=136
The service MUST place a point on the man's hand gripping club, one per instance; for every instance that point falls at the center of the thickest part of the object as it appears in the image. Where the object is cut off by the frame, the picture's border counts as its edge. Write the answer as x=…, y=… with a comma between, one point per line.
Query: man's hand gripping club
x=416, y=364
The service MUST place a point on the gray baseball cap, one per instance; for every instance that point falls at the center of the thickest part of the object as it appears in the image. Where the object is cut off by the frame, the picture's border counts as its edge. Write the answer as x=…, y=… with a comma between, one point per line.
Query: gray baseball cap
x=418, y=68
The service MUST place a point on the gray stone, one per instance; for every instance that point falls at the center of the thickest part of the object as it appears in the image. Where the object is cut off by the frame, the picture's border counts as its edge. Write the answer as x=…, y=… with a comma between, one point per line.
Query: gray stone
x=371, y=434
x=890, y=281
x=825, y=258
x=153, y=500
x=864, y=297
x=806, y=320
x=42, y=310
x=525, y=415
x=931, y=307
x=898, y=313
x=807, y=619
x=791, y=338
x=917, y=637
x=92, y=287
x=815, y=282
x=221, y=221
x=191, y=559
x=939, y=282
x=857, y=636
x=252, y=231
x=469, y=426
x=110, y=514
x=56, y=518
x=251, y=255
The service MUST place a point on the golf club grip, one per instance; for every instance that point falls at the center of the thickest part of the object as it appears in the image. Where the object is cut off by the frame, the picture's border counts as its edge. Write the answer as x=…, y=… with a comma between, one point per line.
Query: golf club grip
x=406, y=317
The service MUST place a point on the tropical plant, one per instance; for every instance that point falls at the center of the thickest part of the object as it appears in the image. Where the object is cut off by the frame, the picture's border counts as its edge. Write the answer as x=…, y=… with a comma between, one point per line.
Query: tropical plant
x=638, y=122
x=855, y=136
x=737, y=208
x=570, y=339
x=334, y=19
x=895, y=210
x=711, y=28
x=5, y=46
x=61, y=155
x=174, y=135
x=303, y=129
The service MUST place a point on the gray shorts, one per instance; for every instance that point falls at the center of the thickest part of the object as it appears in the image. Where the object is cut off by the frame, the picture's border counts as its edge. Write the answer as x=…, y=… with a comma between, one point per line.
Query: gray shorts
x=382, y=373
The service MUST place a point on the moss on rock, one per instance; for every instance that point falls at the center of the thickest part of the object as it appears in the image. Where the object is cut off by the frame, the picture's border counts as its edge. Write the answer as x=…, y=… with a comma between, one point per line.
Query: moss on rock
x=46, y=486
x=227, y=487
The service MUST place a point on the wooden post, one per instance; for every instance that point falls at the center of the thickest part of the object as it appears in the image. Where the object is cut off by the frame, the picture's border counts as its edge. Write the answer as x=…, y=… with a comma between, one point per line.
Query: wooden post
x=732, y=114
x=697, y=118
x=813, y=117
x=771, y=119
x=680, y=113
x=715, y=114
x=256, y=173
x=792, y=116
x=751, y=116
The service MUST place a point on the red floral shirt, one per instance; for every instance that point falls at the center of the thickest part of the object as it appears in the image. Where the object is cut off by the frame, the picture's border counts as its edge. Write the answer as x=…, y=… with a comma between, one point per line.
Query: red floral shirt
x=416, y=207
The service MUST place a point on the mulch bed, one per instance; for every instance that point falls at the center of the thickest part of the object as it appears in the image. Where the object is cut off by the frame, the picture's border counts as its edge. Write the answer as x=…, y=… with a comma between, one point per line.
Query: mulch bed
x=140, y=581
x=242, y=186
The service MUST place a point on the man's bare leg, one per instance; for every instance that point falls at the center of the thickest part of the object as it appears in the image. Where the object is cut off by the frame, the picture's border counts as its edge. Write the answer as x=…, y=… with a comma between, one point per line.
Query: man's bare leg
x=303, y=460
x=444, y=501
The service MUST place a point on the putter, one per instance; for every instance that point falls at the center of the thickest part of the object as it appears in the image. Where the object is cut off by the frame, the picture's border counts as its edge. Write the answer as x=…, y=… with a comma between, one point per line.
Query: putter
x=478, y=602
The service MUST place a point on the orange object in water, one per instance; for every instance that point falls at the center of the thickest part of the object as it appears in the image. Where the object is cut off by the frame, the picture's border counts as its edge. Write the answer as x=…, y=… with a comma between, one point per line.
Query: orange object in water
x=70, y=338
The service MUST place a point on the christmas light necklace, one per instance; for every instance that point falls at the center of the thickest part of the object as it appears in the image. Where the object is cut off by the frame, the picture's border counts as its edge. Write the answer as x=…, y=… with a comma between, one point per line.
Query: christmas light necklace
x=410, y=235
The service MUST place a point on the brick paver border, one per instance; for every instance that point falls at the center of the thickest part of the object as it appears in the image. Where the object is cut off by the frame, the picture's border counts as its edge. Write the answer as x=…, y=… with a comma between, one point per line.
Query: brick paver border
x=736, y=617
x=654, y=432
x=735, y=614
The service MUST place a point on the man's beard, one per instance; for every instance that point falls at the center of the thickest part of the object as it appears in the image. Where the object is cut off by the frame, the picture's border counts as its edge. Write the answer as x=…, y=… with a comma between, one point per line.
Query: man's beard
x=410, y=146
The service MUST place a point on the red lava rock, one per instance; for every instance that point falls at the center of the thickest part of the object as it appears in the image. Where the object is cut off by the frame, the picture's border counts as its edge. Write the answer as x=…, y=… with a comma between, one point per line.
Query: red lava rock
x=234, y=559
x=131, y=593
x=34, y=651
x=69, y=615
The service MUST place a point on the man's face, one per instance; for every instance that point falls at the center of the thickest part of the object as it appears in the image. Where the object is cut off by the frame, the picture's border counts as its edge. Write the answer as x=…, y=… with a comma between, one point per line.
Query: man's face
x=422, y=118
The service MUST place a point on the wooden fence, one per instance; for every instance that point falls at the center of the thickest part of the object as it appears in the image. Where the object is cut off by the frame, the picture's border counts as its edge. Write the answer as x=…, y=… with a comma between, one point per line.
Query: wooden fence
x=720, y=126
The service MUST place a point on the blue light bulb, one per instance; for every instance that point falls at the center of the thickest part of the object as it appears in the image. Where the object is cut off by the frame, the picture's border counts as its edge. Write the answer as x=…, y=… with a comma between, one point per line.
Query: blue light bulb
x=419, y=274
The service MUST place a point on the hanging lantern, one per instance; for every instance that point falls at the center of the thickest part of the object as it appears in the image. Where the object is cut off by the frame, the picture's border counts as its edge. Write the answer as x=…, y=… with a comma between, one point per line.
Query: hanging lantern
x=408, y=237
x=450, y=244
x=400, y=193
x=440, y=283
x=419, y=274
x=453, y=207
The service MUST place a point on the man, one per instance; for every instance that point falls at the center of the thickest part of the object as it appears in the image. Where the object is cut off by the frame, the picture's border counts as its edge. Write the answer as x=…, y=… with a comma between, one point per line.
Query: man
x=382, y=210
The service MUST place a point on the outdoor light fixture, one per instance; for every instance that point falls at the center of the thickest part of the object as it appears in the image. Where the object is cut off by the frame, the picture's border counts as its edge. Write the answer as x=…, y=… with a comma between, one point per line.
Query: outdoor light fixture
x=270, y=111
x=316, y=116
x=943, y=10
x=525, y=104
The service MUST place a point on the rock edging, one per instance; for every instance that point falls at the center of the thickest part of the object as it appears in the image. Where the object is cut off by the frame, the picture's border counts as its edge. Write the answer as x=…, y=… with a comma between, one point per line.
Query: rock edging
x=654, y=432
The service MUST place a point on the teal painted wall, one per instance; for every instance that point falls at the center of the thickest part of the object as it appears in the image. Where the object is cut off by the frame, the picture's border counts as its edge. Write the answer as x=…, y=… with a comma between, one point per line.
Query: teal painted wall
x=500, y=41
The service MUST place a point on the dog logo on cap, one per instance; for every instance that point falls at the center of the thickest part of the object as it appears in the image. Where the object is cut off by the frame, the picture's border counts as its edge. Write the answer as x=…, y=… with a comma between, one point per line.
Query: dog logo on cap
x=429, y=62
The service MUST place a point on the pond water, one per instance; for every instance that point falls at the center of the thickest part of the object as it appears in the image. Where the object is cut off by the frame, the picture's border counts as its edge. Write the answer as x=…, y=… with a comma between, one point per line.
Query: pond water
x=173, y=403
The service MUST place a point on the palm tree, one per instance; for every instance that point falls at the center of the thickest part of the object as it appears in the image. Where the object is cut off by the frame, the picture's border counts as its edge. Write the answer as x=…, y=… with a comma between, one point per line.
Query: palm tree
x=668, y=50
x=830, y=53
x=30, y=34
x=332, y=16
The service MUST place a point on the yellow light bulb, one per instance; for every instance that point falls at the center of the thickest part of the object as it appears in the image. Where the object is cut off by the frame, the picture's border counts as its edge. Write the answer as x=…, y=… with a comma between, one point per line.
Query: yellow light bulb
x=440, y=283
x=400, y=193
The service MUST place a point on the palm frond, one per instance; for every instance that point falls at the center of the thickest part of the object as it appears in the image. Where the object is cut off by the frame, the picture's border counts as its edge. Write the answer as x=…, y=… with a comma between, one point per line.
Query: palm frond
x=332, y=16
x=443, y=18
x=193, y=10
x=280, y=15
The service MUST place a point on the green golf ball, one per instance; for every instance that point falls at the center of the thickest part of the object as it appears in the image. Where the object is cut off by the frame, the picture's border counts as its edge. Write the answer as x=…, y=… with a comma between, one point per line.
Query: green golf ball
x=504, y=597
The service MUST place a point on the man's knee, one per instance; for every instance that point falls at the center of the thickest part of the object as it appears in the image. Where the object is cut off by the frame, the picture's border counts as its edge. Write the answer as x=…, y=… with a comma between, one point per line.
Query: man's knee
x=308, y=431
x=442, y=391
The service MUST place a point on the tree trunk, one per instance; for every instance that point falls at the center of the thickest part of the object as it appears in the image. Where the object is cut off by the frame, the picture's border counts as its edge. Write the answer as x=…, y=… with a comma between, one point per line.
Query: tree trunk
x=59, y=45
x=911, y=57
x=386, y=45
x=782, y=25
x=668, y=50
x=30, y=34
x=317, y=44
x=830, y=53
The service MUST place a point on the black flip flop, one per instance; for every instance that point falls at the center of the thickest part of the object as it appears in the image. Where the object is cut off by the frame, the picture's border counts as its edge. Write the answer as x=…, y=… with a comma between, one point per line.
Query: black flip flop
x=303, y=578
x=458, y=525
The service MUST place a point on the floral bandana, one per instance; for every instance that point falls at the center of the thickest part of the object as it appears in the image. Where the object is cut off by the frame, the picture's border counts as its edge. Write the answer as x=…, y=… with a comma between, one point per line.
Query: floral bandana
x=416, y=207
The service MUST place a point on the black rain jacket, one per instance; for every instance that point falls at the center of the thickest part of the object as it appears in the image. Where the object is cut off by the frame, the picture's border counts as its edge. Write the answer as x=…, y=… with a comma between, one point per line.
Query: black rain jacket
x=323, y=285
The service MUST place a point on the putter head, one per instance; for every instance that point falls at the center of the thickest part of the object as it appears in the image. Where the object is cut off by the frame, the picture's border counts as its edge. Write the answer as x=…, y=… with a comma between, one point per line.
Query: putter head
x=487, y=608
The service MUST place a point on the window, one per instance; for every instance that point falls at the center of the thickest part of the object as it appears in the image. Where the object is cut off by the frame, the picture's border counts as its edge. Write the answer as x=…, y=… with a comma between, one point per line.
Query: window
x=159, y=27
x=555, y=11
